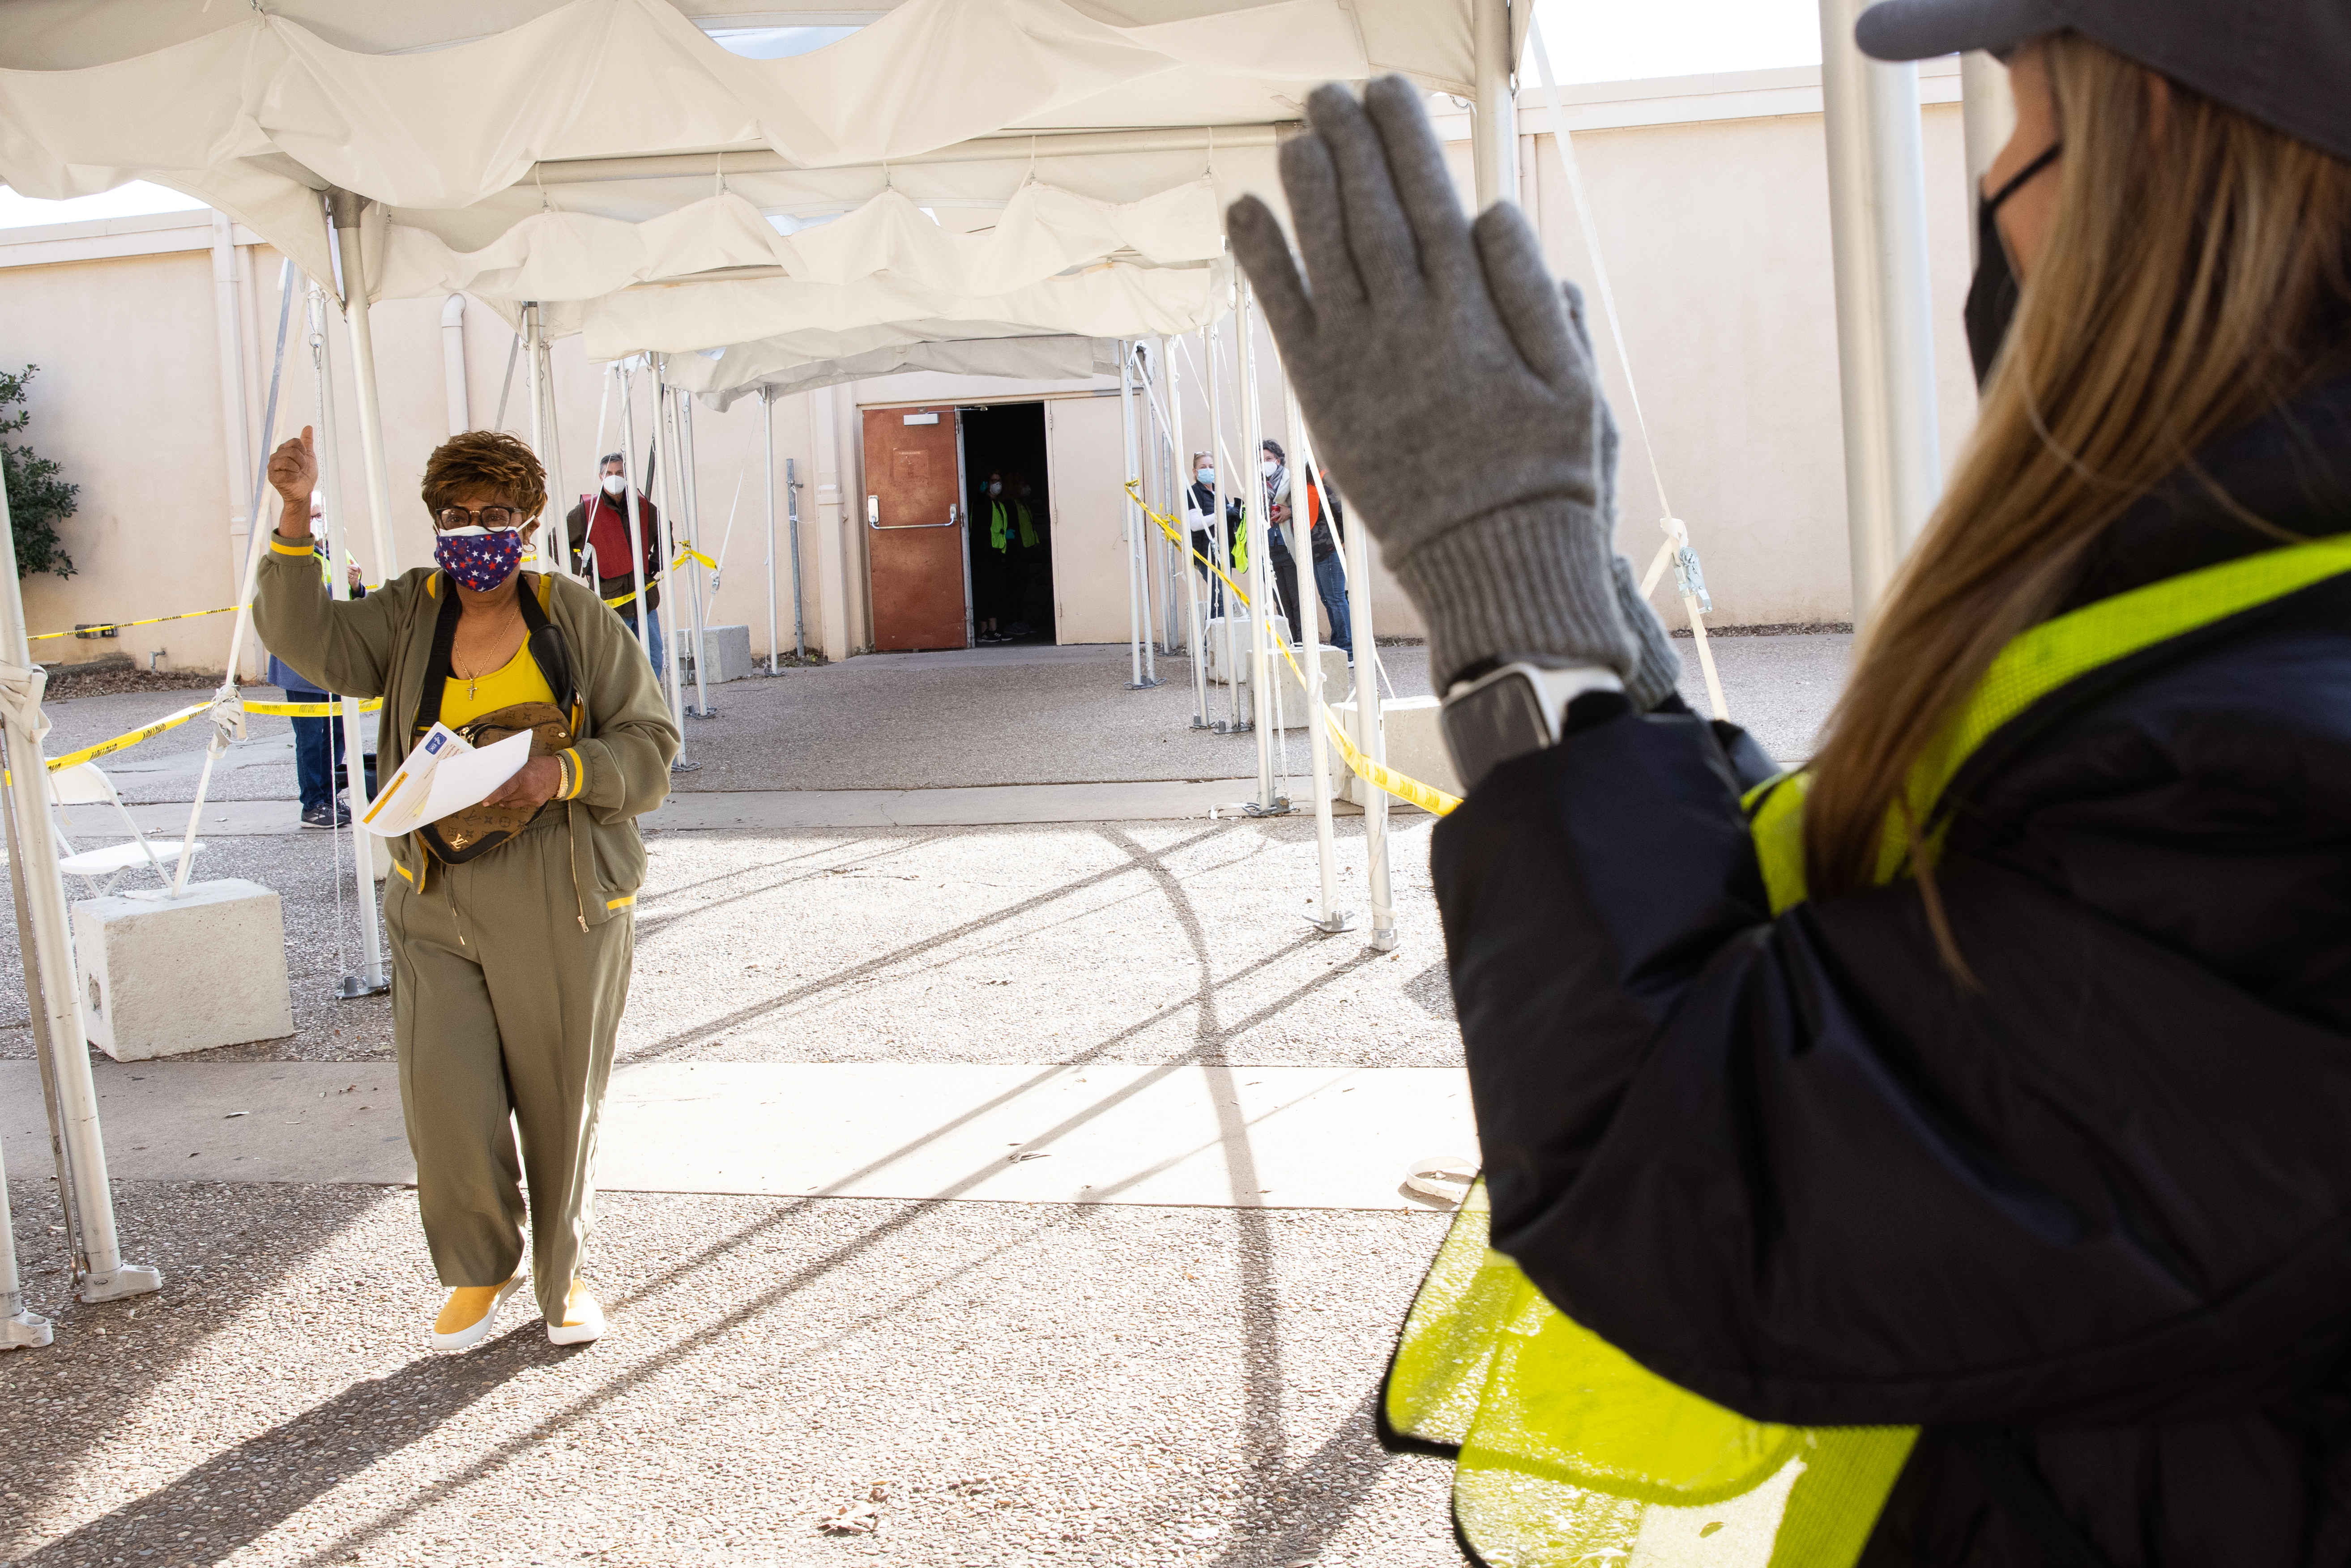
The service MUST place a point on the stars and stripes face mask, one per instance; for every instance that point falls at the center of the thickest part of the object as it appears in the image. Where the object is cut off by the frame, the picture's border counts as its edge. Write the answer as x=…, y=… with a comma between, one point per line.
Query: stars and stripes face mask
x=481, y=558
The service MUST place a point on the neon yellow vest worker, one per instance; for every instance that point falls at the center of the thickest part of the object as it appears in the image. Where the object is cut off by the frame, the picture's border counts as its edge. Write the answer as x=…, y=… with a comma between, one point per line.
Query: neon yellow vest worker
x=1566, y=1450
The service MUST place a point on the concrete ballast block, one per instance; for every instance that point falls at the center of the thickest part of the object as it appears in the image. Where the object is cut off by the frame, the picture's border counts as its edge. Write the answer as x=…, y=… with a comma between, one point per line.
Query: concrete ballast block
x=729, y=648
x=1416, y=748
x=164, y=976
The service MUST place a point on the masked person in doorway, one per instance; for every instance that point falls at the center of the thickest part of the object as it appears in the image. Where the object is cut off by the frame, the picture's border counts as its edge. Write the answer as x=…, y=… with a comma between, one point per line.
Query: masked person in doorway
x=1273, y=474
x=318, y=770
x=1200, y=518
x=1939, y=1152
x=510, y=921
x=598, y=527
x=1010, y=534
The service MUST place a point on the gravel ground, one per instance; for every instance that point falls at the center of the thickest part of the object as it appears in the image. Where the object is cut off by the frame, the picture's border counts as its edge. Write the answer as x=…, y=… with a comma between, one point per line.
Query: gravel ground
x=998, y=1383
x=1122, y=942
x=300, y=868
x=1014, y=1383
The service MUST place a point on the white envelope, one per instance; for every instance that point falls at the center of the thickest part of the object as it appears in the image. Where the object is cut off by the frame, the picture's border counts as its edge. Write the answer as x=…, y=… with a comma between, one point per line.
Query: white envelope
x=443, y=775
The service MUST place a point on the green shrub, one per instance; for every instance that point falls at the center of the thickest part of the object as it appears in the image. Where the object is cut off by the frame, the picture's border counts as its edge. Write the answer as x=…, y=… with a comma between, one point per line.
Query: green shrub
x=37, y=499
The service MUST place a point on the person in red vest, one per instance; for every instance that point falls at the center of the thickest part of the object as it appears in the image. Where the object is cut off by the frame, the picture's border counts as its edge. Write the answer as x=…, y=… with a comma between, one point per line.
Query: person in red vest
x=599, y=530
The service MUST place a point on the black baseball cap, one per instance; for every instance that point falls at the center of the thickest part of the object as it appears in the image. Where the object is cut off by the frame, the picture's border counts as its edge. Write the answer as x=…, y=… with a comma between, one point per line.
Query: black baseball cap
x=2287, y=63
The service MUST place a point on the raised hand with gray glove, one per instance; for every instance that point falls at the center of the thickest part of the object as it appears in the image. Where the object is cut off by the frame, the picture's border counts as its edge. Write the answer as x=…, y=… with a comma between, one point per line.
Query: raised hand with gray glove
x=1440, y=372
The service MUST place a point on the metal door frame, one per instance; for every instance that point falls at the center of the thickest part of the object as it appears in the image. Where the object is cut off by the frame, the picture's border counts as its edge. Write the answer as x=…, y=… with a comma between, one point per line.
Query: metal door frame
x=963, y=493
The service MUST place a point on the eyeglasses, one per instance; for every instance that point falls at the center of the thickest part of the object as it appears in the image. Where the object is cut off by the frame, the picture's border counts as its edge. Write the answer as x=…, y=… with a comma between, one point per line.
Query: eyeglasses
x=498, y=519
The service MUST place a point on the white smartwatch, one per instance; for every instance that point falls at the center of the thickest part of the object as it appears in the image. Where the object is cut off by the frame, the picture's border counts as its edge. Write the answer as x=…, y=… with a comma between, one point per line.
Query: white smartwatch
x=1512, y=711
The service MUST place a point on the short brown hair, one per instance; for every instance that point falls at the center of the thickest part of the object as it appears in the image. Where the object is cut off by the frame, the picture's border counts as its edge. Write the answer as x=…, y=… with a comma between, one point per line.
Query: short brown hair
x=484, y=460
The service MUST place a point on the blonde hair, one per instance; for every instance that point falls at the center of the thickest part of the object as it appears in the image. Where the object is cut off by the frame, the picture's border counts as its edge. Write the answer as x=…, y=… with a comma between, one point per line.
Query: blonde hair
x=2198, y=274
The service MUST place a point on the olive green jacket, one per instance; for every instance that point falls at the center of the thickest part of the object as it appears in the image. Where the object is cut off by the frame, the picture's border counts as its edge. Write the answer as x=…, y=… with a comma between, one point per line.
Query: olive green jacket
x=378, y=647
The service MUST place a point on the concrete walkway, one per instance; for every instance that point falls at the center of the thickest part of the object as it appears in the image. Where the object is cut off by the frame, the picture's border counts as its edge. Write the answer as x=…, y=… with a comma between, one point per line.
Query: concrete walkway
x=1179, y=1133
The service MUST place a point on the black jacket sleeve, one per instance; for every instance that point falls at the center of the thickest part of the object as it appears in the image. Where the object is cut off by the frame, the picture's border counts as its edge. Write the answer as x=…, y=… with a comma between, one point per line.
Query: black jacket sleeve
x=1794, y=1164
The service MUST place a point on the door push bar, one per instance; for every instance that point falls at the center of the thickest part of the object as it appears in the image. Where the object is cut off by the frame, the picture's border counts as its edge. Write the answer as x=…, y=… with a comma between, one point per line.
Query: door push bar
x=874, y=518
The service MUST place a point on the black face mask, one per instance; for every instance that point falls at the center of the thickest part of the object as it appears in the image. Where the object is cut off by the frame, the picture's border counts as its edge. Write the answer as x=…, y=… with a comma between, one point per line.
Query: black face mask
x=1992, y=296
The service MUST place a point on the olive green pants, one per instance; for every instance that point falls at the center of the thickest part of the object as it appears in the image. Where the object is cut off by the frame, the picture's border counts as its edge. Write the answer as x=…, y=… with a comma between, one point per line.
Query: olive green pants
x=504, y=1015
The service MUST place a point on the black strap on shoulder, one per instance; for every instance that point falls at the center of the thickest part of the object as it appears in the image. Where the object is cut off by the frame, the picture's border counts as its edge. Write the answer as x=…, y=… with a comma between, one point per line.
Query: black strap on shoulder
x=550, y=649
x=2022, y=1497
x=437, y=666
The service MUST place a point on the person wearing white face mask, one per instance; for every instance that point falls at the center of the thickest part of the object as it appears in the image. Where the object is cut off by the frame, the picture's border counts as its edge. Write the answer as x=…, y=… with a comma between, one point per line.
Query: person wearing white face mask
x=1200, y=517
x=599, y=530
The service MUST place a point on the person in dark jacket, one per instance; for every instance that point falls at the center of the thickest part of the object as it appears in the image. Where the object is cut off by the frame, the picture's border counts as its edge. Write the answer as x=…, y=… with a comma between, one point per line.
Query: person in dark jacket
x=1281, y=566
x=1199, y=511
x=319, y=742
x=598, y=527
x=2023, y=1124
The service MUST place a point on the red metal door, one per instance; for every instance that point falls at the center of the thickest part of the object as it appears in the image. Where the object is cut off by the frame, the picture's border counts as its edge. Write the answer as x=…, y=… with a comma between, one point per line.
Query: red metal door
x=914, y=528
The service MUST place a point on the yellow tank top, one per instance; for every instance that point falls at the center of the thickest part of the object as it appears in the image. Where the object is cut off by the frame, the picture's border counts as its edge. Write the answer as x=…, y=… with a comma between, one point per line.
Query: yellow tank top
x=519, y=680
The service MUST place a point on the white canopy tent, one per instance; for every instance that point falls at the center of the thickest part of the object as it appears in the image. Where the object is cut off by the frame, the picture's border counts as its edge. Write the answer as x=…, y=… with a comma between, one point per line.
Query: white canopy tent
x=933, y=184
x=943, y=183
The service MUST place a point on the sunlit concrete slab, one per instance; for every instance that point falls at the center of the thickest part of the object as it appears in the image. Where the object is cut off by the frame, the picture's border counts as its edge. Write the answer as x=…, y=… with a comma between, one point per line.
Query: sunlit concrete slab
x=1182, y=1134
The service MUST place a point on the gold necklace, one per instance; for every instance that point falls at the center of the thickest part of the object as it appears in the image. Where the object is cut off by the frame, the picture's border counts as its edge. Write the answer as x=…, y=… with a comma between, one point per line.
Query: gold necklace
x=473, y=682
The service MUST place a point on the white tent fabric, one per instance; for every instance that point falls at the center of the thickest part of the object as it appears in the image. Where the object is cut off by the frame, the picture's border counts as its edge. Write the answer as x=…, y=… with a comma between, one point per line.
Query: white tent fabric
x=658, y=192
x=1048, y=262
x=802, y=361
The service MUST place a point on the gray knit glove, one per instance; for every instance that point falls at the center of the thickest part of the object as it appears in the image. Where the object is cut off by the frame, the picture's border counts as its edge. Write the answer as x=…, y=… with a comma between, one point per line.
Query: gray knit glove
x=1440, y=376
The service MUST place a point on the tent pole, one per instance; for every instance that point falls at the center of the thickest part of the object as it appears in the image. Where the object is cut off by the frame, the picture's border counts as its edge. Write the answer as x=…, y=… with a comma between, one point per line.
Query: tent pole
x=20, y=1328
x=1223, y=529
x=1885, y=350
x=50, y=983
x=1136, y=682
x=683, y=402
x=1493, y=129
x=346, y=209
x=1318, y=746
x=666, y=434
x=633, y=479
x=559, y=554
x=792, y=543
x=538, y=390
x=1370, y=737
x=1262, y=598
x=767, y=437
x=369, y=981
x=1183, y=475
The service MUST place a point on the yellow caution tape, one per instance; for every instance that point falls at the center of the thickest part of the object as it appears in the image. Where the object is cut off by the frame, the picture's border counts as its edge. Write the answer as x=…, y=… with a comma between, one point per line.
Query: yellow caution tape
x=118, y=625
x=686, y=553
x=173, y=721
x=1427, y=797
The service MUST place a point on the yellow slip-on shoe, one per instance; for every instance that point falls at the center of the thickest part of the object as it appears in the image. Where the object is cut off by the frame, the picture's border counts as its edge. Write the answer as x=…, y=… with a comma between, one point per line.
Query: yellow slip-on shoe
x=465, y=1322
x=583, y=1320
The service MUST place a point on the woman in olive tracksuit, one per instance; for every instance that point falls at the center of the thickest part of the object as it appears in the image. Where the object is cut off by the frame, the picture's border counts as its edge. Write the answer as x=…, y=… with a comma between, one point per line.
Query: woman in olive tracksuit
x=1979, y=1098
x=510, y=963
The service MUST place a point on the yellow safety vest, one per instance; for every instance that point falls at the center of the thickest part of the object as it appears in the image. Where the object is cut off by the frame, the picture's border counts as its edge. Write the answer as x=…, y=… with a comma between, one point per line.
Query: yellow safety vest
x=1567, y=1451
x=1000, y=524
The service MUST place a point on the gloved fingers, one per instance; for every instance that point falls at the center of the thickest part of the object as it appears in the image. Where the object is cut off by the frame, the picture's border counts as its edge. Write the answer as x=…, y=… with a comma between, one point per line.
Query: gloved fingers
x=1415, y=169
x=1377, y=236
x=1526, y=299
x=1273, y=277
x=1312, y=181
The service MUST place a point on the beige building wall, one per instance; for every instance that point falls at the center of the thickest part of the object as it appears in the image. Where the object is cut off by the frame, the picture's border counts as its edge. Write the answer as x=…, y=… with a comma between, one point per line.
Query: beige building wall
x=1709, y=197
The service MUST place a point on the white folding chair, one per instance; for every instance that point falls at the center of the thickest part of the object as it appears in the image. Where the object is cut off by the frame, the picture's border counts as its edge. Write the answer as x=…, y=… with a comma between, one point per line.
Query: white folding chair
x=86, y=784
